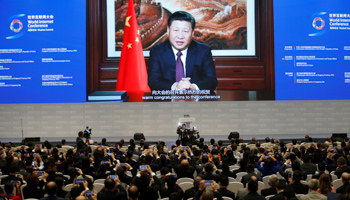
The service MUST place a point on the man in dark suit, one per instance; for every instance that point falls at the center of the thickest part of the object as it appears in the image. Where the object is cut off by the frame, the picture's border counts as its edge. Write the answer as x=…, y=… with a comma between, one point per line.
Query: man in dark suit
x=184, y=169
x=51, y=189
x=253, y=188
x=208, y=173
x=12, y=175
x=280, y=188
x=342, y=167
x=112, y=190
x=250, y=172
x=321, y=170
x=197, y=67
x=307, y=166
x=80, y=142
x=345, y=178
x=242, y=166
x=273, y=181
x=223, y=188
x=297, y=185
x=189, y=193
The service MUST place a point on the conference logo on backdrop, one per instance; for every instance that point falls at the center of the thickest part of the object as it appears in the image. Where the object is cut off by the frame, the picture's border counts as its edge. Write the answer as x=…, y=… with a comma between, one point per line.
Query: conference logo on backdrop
x=16, y=24
x=318, y=24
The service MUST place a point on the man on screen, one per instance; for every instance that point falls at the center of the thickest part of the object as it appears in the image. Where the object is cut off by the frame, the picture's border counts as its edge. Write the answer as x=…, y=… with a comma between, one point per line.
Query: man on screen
x=181, y=63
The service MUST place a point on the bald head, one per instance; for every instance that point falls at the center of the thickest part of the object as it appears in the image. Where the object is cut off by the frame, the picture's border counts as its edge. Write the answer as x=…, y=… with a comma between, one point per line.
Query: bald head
x=345, y=177
x=51, y=188
x=80, y=198
x=313, y=184
x=207, y=195
x=197, y=180
x=184, y=163
x=133, y=192
x=253, y=178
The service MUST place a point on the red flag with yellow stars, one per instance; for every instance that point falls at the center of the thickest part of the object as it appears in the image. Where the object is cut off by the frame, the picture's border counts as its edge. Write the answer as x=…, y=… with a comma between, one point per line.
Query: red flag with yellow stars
x=132, y=74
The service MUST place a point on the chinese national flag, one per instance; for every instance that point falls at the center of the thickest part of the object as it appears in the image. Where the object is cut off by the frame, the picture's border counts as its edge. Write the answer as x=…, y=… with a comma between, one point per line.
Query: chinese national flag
x=132, y=75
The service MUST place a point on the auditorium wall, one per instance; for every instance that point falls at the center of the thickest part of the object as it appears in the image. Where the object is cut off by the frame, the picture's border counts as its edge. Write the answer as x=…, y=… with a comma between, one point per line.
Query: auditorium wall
x=284, y=119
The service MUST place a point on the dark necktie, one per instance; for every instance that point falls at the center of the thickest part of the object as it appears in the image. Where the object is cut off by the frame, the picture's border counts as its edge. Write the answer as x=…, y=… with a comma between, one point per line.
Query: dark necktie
x=179, y=67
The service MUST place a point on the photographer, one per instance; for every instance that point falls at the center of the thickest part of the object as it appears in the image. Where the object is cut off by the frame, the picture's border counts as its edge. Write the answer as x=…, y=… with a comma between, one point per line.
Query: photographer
x=81, y=144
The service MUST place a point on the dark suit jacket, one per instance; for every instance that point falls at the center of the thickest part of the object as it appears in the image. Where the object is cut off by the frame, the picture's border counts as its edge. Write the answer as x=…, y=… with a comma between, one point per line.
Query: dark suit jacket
x=342, y=189
x=268, y=191
x=214, y=176
x=184, y=171
x=342, y=169
x=317, y=176
x=227, y=193
x=332, y=196
x=246, y=178
x=199, y=66
x=300, y=188
x=189, y=193
x=310, y=168
x=253, y=195
x=279, y=196
x=52, y=198
x=121, y=194
x=80, y=144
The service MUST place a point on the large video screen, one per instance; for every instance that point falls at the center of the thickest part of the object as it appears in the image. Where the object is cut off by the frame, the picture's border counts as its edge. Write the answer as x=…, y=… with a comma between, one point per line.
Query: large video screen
x=43, y=47
x=42, y=51
x=312, y=50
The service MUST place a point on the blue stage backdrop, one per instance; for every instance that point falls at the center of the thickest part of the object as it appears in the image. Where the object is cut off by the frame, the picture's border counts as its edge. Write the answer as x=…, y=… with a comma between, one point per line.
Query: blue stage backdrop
x=312, y=50
x=42, y=51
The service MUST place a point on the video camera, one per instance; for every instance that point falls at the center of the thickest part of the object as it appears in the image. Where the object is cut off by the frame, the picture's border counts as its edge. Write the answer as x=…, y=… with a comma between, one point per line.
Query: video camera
x=87, y=133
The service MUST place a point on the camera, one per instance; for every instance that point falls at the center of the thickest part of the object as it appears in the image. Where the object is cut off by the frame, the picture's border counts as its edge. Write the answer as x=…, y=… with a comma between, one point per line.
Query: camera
x=87, y=133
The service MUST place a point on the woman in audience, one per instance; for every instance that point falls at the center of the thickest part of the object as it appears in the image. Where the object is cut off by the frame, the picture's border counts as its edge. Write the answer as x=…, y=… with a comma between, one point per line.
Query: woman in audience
x=32, y=190
x=325, y=182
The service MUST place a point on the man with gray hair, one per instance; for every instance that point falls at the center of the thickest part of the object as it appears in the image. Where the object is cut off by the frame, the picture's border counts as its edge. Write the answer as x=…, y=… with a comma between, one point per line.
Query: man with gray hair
x=206, y=193
x=345, y=178
x=273, y=181
x=313, y=194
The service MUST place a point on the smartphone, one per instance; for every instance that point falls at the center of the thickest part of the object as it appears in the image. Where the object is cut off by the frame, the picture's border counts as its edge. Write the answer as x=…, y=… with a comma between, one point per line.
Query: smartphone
x=38, y=145
x=184, y=147
x=174, y=175
x=291, y=146
x=266, y=156
x=26, y=154
x=109, y=154
x=122, y=164
x=79, y=181
x=213, y=148
x=40, y=173
x=143, y=167
x=22, y=147
x=15, y=182
x=182, y=154
x=99, y=146
x=312, y=144
x=87, y=193
x=35, y=155
x=33, y=164
x=112, y=176
x=207, y=183
x=126, y=151
x=332, y=149
x=228, y=149
x=204, y=154
x=105, y=162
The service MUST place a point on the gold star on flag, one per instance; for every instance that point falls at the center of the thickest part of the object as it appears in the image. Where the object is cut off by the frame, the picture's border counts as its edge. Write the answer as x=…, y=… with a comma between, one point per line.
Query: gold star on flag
x=137, y=40
x=127, y=21
x=129, y=46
